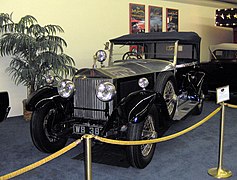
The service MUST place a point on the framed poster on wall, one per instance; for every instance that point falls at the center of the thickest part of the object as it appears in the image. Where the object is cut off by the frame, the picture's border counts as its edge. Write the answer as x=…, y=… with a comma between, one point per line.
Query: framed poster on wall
x=155, y=19
x=136, y=23
x=172, y=20
x=136, y=18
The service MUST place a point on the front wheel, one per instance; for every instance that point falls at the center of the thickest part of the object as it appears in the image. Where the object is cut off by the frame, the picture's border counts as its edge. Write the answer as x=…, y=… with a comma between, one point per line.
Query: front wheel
x=140, y=156
x=44, y=127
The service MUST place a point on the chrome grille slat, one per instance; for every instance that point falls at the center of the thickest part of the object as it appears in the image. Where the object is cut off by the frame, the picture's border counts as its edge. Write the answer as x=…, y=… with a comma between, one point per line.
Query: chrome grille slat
x=85, y=98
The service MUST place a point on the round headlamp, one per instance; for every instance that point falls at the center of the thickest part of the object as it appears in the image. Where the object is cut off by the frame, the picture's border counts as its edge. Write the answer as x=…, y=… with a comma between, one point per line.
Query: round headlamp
x=49, y=79
x=105, y=91
x=143, y=82
x=101, y=55
x=66, y=88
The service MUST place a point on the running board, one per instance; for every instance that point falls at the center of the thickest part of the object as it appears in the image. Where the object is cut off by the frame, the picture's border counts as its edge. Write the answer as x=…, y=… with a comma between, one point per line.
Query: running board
x=184, y=109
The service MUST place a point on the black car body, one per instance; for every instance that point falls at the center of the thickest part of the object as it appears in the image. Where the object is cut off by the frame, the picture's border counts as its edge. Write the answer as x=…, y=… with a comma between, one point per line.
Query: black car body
x=137, y=96
x=4, y=105
x=221, y=69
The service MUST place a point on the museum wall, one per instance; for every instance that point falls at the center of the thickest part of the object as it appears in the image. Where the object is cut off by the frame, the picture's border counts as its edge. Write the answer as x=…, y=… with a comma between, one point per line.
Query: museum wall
x=89, y=24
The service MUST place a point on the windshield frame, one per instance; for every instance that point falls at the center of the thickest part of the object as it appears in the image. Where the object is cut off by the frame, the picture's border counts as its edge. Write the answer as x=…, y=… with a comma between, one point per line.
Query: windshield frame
x=144, y=44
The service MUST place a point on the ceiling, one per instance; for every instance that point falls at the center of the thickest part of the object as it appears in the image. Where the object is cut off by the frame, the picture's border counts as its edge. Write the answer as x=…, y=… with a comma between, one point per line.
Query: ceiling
x=229, y=1
x=210, y=3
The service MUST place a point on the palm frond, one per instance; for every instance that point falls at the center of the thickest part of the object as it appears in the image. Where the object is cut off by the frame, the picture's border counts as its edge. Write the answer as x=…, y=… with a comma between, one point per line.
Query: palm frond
x=14, y=43
x=5, y=18
x=51, y=43
x=53, y=29
x=27, y=20
x=36, y=30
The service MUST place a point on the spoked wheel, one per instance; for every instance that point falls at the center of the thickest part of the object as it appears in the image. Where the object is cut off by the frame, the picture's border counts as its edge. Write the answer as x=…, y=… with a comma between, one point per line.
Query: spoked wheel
x=140, y=156
x=169, y=95
x=131, y=55
x=44, y=127
x=167, y=87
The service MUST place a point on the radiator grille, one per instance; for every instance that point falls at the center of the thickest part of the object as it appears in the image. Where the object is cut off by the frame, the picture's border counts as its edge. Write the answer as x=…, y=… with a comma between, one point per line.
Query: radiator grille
x=85, y=98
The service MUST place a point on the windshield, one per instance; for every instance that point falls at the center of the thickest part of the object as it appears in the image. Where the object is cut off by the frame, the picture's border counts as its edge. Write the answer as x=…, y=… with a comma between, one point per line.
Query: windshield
x=163, y=50
x=225, y=54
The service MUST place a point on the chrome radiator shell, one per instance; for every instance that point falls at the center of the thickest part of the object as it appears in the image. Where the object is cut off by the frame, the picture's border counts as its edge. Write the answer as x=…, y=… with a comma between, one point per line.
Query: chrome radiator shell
x=85, y=97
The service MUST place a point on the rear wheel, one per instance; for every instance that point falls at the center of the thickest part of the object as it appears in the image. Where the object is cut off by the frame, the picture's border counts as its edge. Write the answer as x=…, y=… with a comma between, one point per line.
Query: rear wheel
x=167, y=87
x=140, y=156
x=44, y=127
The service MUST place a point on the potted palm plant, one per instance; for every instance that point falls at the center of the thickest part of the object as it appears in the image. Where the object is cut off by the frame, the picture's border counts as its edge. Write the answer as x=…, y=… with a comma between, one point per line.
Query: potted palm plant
x=36, y=51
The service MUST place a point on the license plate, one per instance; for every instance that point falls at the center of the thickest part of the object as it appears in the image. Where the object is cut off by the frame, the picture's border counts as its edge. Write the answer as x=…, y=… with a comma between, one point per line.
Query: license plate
x=82, y=129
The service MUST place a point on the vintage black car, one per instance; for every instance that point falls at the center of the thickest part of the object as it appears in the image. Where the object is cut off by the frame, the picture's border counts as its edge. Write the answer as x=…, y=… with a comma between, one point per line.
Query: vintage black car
x=4, y=105
x=137, y=96
x=221, y=69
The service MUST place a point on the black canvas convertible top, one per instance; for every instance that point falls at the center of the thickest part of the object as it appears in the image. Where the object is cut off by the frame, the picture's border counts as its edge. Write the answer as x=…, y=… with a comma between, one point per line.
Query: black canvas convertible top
x=183, y=37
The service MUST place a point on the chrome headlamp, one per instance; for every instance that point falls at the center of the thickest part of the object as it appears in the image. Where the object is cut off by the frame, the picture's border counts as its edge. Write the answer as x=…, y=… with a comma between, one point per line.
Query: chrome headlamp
x=49, y=79
x=143, y=82
x=105, y=91
x=100, y=55
x=66, y=88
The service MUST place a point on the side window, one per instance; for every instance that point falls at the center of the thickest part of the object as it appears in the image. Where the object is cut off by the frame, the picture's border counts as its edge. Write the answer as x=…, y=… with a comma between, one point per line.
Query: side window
x=226, y=54
x=165, y=50
x=149, y=51
x=186, y=54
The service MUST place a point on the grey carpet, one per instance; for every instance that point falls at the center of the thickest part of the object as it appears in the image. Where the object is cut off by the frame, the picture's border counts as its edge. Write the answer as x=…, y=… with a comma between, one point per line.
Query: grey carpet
x=184, y=158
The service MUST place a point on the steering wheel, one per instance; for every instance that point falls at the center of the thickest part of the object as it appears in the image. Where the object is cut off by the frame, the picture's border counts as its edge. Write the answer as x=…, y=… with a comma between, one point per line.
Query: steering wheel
x=131, y=55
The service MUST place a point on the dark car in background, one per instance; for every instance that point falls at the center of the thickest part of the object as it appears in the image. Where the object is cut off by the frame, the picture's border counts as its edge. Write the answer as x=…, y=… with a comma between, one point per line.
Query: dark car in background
x=136, y=96
x=221, y=70
x=4, y=105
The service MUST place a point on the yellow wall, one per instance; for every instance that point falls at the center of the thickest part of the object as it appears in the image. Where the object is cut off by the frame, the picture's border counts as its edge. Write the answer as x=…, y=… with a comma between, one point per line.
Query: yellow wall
x=90, y=23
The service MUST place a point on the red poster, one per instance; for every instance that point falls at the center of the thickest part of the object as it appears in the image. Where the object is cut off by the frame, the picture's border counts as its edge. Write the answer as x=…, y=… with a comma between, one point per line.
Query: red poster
x=137, y=18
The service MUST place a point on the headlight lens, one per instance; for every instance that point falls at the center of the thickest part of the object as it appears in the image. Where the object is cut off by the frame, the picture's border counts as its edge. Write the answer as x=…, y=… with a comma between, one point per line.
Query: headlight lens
x=49, y=79
x=66, y=88
x=143, y=82
x=105, y=91
x=101, y=55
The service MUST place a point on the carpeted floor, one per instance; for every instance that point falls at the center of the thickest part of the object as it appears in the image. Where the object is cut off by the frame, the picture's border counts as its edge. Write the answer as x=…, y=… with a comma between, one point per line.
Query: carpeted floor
x=184, y=158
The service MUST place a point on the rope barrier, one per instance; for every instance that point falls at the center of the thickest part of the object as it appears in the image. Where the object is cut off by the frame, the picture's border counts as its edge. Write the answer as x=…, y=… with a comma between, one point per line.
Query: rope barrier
x=166, y=138
x=231, y=105
x=41, y=162
x=110, y=141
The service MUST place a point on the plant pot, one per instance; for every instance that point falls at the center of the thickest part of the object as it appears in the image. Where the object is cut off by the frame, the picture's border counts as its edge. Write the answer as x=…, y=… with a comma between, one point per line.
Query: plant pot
x=26, y=114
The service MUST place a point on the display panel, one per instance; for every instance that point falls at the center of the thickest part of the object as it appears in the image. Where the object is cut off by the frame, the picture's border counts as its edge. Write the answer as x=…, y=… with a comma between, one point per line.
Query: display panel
x=137, y=18
x=226, y=17
x=155, y=19
x=172, y=20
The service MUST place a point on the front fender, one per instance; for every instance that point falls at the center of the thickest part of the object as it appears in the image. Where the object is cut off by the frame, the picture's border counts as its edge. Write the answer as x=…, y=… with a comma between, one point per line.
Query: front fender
x=40, y=97
x=136, y=106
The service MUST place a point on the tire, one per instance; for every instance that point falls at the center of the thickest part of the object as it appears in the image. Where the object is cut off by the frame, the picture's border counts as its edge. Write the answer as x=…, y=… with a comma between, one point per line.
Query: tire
x=41, y=126
x=198, y=109
x=140, y=156
x=166, y=85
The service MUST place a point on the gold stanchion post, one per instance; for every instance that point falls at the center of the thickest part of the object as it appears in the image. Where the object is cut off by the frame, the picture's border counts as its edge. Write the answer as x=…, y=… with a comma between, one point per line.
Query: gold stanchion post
x=219, y=172
x=88, y=157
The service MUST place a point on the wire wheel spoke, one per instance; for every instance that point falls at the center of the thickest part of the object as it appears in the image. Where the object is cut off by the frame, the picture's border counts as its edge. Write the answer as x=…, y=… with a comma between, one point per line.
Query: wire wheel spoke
x=169, y=96
x=148, y=133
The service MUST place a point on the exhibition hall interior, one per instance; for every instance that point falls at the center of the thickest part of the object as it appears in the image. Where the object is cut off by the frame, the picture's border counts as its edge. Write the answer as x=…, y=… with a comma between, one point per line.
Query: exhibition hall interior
x=118, y=89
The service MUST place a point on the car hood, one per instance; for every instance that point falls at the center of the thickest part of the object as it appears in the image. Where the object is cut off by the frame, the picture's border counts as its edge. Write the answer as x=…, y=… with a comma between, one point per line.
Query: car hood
x=128, y=68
